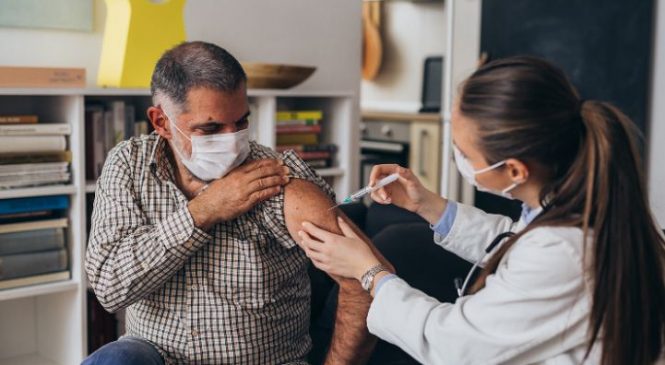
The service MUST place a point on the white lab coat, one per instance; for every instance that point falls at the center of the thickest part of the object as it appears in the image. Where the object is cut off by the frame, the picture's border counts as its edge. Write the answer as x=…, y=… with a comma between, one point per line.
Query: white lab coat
x=533, y=310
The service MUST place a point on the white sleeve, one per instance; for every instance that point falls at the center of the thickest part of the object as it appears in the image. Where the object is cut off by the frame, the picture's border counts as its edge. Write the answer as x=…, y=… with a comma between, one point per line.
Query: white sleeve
x=472, y=231
x=528, y=310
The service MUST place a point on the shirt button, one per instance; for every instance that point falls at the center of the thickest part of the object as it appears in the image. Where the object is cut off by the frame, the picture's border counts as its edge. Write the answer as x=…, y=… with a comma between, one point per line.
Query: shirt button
x=195, y=333
x=193, y=287
x=188, y=244
x=182, y=235
x=145, y=266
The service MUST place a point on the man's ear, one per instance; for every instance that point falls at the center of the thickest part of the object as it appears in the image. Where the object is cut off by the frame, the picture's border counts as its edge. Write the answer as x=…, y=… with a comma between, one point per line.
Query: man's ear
x=158, y=120
x=518, y=170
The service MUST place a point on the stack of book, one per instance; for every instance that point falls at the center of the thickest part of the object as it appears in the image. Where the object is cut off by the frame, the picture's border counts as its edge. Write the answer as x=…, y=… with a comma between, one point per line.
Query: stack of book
x=33, y=239
x=33, y=153
x=106, y=125
x=301, y=131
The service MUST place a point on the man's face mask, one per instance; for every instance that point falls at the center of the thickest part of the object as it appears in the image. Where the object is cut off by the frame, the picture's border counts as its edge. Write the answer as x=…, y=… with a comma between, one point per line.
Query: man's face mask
x=213, y=156
x=469, y=174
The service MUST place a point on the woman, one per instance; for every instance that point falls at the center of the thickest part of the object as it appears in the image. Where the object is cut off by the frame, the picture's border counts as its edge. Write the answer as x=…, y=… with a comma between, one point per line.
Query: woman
x=581, y=281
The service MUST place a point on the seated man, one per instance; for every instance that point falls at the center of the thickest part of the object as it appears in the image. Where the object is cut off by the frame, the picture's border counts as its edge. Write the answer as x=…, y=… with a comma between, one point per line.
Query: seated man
x=193, y=232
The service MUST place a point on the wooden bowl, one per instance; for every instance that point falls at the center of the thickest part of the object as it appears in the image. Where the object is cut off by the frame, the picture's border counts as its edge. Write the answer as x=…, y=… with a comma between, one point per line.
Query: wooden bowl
x=274, y=76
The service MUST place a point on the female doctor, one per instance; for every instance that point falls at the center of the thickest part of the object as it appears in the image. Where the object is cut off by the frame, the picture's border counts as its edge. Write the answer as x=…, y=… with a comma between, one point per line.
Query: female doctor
x=582, y=278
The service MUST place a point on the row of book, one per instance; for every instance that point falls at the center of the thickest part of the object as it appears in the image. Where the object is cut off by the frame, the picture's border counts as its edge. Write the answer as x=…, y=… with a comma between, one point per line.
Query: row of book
x=300, y=130
x=33, y=153
x=107, y=124
x=33, y=241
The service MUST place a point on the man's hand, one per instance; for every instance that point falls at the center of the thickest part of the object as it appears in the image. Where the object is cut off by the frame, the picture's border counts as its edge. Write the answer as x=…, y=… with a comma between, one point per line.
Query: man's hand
x=239, y=191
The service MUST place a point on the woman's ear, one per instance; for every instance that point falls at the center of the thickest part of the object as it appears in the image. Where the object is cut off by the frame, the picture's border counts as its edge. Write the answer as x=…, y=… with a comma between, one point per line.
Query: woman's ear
x=518, y=170
x=158, y=121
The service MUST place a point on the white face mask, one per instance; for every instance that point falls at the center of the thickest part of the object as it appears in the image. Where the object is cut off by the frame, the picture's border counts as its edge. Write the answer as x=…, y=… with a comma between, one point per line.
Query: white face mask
x=466, y=170
x=215, y=155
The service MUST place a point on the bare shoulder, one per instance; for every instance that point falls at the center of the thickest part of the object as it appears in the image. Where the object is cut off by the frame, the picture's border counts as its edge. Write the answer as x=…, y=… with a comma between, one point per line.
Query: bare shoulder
x=304, y=200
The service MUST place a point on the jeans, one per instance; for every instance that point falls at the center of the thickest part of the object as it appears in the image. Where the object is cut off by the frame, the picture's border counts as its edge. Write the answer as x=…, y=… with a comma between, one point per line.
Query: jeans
x=127, y=350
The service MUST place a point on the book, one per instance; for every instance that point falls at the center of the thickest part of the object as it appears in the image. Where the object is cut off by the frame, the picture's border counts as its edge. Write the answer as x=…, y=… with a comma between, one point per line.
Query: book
x=41, y=77
x=20, y=181
x=36, y=225
x=130, y=121
x=18, y=119
x=34, y=204
x=29, y=144
x=321, y=163
x=35, y=240
x=33, y=168
x=298, y=122
x=299, y=114
x=34, y=280
x=39, y=157
x=27, y=216
x=34, y=263
x=109, y=131
x=303, y=138
x=35, y=129
x=316, y=155
x=332, y=148
x=295, y=129
x=118, y=115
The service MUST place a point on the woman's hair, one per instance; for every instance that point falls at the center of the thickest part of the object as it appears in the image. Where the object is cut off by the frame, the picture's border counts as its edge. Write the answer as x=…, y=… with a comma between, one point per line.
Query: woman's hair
x=525, y=108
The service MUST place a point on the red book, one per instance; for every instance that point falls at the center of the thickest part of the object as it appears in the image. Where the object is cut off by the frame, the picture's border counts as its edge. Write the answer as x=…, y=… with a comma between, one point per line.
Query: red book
x=283, y=129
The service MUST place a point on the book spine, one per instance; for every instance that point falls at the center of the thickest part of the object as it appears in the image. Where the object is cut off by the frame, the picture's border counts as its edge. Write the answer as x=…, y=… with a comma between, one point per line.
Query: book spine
x=36, y=129
x=304, y=138
x=32, y=241
x=33, y=204
x=35, y=157
x=313, y=155
x=302, y=114
x=29, y=144
x=18, y=119
x=298, y=129
x=307, y=148
x=298, y=122
x=22, y=265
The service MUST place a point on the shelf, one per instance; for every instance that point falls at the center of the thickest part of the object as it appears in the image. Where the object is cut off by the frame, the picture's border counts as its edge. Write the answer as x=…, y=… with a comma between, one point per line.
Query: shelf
x=333, y=171
x=38, y=191
x=40, y=289
x=146, y=92
x=32, y=359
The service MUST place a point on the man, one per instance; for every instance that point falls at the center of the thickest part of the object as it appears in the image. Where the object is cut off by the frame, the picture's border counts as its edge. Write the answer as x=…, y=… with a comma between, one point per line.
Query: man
x=193, y=232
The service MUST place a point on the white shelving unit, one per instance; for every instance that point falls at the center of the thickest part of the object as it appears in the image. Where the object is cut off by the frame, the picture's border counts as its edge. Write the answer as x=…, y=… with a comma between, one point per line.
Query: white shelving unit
x=47, y=324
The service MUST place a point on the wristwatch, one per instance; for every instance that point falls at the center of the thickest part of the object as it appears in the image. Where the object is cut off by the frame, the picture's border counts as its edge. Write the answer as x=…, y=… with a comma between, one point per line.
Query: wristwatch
x=367, y=280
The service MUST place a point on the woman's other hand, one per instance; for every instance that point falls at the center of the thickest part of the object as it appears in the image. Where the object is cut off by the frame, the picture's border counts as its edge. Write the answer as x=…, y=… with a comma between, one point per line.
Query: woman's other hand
x=346, y=256
x=407, y=193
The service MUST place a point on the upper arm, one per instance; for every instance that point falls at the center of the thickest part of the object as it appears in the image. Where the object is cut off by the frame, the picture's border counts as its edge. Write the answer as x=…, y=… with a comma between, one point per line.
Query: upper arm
x=304, y=201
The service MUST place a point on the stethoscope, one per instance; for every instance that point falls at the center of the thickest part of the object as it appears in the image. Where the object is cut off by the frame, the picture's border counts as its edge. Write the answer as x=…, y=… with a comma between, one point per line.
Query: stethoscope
x=462, y=286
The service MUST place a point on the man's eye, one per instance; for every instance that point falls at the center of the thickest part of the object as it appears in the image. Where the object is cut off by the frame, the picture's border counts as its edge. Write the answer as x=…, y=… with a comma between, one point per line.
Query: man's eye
x=243, y=122
x=208, y=129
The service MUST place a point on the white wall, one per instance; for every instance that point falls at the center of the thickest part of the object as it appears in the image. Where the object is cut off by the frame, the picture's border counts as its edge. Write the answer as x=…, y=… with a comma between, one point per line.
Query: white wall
x=411, y=32
x=311, y=32
x=656, y=154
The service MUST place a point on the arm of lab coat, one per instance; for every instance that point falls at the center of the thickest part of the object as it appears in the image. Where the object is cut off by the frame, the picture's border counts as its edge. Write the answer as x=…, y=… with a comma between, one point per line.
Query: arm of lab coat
x=472, y=230
x=531, y=309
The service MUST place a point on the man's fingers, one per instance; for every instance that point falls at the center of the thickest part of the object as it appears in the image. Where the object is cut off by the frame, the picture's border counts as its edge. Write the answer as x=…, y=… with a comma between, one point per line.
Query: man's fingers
x=265, y=171
x=256, y=164
x=264, y=194
x=268, y=182
x=346, y=229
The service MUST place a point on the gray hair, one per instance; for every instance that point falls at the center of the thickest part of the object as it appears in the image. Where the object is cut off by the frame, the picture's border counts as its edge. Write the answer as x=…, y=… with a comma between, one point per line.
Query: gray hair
x=194, y=64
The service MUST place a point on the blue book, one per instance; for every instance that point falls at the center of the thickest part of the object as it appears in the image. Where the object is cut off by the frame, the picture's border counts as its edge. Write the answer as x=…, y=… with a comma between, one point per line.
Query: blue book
x=33, y=204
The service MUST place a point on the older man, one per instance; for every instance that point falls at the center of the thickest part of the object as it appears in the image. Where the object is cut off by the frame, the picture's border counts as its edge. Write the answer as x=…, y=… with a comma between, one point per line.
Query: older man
x=193, y=232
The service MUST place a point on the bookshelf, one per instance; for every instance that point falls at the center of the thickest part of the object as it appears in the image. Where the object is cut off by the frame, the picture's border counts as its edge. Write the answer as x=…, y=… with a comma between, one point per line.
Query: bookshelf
x=47, y=323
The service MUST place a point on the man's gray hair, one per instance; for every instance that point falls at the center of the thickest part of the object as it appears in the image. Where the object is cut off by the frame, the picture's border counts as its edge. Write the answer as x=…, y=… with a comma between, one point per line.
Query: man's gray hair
x=194, y=64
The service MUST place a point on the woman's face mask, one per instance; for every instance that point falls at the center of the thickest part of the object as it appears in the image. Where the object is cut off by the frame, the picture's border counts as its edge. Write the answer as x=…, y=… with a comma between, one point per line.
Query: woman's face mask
x=213, y=156
x=467, y=171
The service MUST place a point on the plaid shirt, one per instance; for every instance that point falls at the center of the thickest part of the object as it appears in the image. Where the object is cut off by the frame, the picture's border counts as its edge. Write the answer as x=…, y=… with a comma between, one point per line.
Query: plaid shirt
x=238, y=294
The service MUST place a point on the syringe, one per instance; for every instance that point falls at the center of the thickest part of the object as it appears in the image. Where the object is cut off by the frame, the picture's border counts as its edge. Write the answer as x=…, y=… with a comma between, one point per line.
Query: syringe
x=369, y=189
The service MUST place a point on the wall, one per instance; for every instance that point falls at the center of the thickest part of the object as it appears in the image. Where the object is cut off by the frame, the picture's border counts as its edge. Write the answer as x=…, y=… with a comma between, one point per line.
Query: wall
x=320, y=32
x=657, y=120
x=411, y=32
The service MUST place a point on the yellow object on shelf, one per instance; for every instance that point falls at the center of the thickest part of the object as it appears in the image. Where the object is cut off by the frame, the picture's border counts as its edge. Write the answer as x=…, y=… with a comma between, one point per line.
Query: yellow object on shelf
x=137, y=33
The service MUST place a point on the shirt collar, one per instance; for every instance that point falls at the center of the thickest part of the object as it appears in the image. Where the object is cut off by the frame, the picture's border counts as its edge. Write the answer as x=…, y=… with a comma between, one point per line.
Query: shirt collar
x=529, y=214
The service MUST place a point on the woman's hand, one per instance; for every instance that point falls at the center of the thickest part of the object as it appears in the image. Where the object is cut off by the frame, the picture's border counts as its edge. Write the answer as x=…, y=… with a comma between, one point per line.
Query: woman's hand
x=347, y=256
x=407, y=193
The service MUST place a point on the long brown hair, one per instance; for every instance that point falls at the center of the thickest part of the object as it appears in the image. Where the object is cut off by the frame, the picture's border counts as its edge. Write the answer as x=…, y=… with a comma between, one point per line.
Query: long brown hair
x=525, y=108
